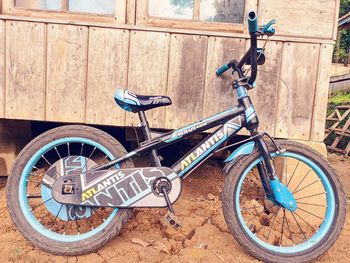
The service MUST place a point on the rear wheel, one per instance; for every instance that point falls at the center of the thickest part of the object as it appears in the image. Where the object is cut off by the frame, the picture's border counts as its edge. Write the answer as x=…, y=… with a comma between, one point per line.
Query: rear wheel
x=275, y=234
x=49, y=225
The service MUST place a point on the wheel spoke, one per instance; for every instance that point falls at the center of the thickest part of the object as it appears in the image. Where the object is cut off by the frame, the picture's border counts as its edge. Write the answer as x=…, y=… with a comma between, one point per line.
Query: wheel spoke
x=299, y=226
x=285, y=160
x=273, y=216
x=92, y=152
x=310, y=213
x=284, y=215
x=310, y=196
x=311, y=204
x=290, y=179
x=268, y=235
x=42, y=156
x=68, y=149
x=58, y=153
x=291, y=237
x=54, y=221
x=304, y=221
x=260, y=213
x=81, y=150
x=301, y=181
x=41, y=203
x=306, y=186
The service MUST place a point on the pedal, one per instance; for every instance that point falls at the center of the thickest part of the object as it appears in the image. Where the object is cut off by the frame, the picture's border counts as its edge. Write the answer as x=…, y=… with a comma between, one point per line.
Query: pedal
x=172, y=220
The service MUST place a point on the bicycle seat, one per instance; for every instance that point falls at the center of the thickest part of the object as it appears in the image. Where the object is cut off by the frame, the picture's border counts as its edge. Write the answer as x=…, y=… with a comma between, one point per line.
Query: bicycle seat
x=134, y=103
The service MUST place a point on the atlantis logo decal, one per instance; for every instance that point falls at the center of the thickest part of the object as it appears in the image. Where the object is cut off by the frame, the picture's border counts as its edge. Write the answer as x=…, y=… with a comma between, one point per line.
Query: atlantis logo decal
x=202, y=149
x=207, y=146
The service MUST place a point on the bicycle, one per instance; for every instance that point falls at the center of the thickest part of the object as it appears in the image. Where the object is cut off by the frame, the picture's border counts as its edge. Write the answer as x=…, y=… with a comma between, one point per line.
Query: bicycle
x=72, y=188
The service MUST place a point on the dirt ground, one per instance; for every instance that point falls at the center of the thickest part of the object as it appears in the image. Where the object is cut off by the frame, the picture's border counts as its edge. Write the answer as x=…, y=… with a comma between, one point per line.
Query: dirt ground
x=204, y=236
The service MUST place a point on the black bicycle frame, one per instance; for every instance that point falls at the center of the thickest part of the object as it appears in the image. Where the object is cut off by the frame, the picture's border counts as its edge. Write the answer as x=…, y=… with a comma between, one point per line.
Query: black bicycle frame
x=229, y=122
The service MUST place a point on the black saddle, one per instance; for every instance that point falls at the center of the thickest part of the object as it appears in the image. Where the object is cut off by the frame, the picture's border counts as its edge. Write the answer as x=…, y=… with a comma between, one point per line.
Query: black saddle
x=134, y=103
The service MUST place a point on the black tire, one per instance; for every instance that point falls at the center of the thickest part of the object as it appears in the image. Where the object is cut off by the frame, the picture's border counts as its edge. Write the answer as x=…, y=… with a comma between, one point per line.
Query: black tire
x=247, y=242
x=89, y=244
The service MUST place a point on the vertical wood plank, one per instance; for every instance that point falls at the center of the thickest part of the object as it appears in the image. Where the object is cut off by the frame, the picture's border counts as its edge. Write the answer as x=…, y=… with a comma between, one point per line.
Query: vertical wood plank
x=25, y=70
x=336, y=18
x=321, y=96
x=218, y=91
x=131, y=12
x=120, y=11
x=66, y=73
x=2, y=68
x=300, y=75
x=312, y=18
x=264, y=96
x=107, y=70
x=147, y=73
x=186, y=79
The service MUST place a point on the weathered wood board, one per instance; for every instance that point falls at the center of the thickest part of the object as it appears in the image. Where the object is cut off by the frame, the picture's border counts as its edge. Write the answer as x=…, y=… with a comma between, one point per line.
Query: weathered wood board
x=148, y=71
x=312, y=18
x=2, y=68
x=295, y=103
x=25, y=70
x=219, y=94
x=264, y=96
x=186, y=77
x=78, y=68
x=321, y=96
x=66, y=73
x=107, y=71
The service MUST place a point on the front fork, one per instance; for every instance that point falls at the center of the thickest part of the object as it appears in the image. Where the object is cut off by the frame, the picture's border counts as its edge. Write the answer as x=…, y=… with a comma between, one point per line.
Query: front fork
x=275, y=191
x=266, y=170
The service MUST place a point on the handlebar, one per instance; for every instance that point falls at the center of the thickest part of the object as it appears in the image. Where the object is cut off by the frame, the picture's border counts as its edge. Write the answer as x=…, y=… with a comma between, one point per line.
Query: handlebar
x=251, y=55
x=253, y=28
x=252, y=22
x=226, y=67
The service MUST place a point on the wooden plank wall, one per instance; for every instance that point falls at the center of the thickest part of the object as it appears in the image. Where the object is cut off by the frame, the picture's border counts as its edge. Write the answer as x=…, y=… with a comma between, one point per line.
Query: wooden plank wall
x=70, y=73
x=25, y=70
x=300, y=18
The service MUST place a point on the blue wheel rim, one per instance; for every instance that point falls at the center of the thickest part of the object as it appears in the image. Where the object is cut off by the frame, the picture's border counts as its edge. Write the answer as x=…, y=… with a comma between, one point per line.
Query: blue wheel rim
x=325, y=226
x=24, y=204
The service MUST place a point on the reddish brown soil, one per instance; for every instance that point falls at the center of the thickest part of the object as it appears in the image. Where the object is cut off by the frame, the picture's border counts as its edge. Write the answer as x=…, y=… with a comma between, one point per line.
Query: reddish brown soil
x=145, y=238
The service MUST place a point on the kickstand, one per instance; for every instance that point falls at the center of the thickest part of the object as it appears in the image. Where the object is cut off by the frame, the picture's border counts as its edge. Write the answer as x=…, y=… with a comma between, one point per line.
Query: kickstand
x=170, y=217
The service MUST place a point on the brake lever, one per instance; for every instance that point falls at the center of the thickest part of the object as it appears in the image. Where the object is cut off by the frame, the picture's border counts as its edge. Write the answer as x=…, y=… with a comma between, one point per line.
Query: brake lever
x=267, y=29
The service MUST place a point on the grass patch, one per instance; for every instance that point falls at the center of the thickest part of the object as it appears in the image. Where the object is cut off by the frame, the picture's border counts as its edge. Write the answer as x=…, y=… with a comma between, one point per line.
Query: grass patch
x=339, y=98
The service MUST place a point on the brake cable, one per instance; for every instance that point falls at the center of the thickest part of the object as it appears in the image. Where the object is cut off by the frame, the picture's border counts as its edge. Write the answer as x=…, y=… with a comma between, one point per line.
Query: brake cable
x=263, y=49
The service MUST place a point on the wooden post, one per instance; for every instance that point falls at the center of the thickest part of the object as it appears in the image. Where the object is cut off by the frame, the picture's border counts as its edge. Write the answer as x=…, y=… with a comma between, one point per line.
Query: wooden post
x=337, y=46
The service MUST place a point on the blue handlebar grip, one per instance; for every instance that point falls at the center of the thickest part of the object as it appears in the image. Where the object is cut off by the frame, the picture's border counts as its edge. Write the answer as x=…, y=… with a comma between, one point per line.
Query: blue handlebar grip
x=252, y=22
x=222, y=69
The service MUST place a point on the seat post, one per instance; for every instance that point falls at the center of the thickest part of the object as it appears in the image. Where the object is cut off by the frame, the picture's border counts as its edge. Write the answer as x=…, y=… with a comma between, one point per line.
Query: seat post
x=147, y=134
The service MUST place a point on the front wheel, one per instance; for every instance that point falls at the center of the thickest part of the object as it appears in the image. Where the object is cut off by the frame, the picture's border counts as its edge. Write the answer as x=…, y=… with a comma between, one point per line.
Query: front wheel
x=54, y=227
x=271, y=232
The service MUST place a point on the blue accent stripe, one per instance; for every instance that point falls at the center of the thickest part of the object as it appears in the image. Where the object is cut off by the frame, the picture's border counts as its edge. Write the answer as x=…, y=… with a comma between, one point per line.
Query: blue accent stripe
x=241, y=92
x=175, y=137
x=250, y=114
x=244, y=149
